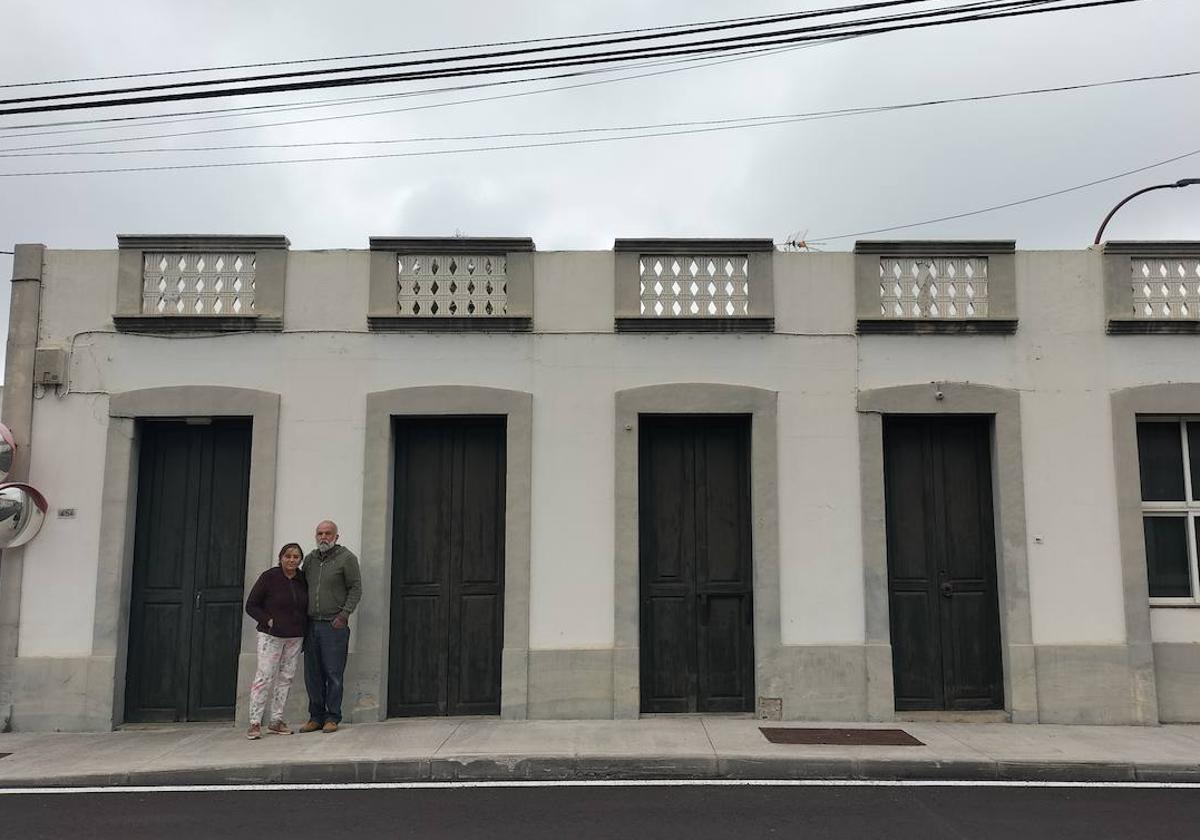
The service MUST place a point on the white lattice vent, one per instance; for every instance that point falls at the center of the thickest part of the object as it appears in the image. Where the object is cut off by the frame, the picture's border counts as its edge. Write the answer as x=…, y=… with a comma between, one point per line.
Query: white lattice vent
x=694, y=286
x=944, y=288
x=1165, y=289
x=204, y=284
x=451, y=285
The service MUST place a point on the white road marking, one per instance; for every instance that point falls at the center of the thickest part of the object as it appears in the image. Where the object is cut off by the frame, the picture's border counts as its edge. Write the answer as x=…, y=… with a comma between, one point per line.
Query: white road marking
x=604, y=783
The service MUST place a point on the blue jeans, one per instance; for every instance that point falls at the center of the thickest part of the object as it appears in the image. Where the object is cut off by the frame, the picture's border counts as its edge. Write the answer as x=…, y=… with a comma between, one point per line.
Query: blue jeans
x=325, y=650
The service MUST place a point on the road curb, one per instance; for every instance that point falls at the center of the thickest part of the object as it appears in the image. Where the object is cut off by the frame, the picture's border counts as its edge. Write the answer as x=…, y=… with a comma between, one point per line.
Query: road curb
x=608, y=768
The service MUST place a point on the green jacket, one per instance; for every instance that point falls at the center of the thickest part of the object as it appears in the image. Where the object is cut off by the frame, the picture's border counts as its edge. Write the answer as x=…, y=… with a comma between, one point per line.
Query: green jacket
x=334, y=583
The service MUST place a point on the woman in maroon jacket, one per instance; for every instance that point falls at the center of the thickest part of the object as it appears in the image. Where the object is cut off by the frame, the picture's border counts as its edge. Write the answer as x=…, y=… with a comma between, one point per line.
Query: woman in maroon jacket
x=279, y=603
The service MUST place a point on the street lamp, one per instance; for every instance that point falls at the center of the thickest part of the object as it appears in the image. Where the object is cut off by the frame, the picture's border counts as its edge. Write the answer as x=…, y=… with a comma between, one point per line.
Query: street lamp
x=1184, y=182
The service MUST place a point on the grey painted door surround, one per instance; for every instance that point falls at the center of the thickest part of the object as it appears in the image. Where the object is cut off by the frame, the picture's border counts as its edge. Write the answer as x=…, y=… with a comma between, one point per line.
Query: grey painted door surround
x=1016, y=631
x=106, y=668
x=1163, y=680
x=696, y=398
x=368, y=669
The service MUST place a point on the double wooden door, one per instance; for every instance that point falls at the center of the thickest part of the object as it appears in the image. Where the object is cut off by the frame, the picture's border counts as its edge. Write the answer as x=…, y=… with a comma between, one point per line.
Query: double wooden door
x=447, y=614
x=695, y=558
x=185, y=619
x=945, y=627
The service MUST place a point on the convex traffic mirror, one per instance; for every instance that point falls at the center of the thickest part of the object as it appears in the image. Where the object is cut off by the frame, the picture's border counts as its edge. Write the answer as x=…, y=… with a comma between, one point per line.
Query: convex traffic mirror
x=22, y=511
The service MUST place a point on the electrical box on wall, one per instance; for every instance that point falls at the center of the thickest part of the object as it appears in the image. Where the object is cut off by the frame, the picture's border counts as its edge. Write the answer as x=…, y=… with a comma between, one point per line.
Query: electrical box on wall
x=50, y=366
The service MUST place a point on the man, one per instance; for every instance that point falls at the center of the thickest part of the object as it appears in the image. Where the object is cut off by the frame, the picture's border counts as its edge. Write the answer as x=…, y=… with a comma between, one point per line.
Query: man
x=334, y=589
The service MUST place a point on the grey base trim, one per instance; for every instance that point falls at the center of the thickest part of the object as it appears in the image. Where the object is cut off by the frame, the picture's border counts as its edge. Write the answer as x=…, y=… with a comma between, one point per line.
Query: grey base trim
x=170, y=324
x=570, y=684
x=391, y=323
x=1123, y=326
x=1177, y=677
x=704, y=325
x=816, y=682
x=51, y=694
x=1086, y=684
x=916, y=326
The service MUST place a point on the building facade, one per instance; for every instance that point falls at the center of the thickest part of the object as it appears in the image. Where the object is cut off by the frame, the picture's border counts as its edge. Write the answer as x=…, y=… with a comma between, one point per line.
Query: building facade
x=677, y=476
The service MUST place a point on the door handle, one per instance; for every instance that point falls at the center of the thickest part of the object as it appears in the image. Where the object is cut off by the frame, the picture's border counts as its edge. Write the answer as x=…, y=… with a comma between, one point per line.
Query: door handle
x=947, y=589
x=199, y=595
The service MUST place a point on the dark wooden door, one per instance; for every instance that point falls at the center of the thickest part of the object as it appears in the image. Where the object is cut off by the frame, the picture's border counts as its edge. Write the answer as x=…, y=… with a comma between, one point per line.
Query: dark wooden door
x=447, y=617
x=697, y=612
x=942, y=564
x=185, y=617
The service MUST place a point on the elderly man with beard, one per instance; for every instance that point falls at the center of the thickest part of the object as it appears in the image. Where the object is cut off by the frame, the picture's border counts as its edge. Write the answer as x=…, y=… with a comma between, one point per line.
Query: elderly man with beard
x=334, y=589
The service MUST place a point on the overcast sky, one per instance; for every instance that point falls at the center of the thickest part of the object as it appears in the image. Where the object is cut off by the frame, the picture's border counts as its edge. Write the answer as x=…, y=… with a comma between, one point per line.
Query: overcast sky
x=823, y=178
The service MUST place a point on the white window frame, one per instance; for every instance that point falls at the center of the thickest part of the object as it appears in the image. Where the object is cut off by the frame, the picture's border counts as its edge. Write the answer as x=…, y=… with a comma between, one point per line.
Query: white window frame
x=1188, y=509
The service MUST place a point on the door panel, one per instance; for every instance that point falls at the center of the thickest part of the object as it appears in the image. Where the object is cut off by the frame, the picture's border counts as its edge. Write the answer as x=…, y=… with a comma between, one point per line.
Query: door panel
x=697, y=641
x=447, y=623
x=189, y=562
x=942, y=563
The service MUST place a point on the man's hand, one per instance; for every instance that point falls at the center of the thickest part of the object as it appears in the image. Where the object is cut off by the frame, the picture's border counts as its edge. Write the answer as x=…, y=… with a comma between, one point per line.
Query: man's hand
x=339, y=621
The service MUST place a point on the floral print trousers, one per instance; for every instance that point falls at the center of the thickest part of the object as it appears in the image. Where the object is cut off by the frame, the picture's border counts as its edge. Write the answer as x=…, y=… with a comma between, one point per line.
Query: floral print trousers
x=277, y=660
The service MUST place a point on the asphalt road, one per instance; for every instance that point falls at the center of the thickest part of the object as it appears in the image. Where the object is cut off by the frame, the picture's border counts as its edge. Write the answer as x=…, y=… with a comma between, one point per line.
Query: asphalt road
x=591, y=813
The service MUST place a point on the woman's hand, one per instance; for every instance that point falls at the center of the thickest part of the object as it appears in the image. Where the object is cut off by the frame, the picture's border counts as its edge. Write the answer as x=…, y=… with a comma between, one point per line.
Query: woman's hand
x=270, y=623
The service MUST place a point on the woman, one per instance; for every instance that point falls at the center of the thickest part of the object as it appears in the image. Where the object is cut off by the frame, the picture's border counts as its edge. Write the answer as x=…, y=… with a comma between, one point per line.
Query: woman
x=279, y=603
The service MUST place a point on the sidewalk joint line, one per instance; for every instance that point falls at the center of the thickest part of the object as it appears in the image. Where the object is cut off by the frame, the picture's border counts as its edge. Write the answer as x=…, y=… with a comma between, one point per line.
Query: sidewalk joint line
x=449, y=735
x=708, y=735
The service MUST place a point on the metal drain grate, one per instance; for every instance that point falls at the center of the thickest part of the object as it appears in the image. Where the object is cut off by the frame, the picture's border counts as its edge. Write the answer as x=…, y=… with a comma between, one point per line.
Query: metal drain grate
x=841, y=737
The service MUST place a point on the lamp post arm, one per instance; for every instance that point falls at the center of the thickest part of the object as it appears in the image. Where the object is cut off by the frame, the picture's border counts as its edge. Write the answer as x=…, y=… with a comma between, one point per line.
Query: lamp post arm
x=1125, y=201
x=1182, y=182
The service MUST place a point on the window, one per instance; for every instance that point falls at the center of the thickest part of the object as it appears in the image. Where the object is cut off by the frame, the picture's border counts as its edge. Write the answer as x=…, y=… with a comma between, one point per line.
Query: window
x=1169, y=463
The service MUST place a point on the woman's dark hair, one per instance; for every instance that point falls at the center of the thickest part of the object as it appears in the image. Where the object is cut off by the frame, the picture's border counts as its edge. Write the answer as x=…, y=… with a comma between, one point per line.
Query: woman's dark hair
x=296, y=546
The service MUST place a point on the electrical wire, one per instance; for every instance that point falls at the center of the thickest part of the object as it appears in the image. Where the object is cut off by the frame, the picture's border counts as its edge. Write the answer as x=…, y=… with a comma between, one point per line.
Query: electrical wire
x=751, y=119
x=692, y=63
x=454, y=103
x=763, y=19
x=818, y=240
x=712, y=46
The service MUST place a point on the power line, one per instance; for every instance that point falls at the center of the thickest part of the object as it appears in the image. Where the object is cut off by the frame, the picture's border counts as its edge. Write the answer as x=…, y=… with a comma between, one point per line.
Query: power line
x=839, y=112
x=712, y=46
x=675, y=30
x=460, y=151
x=454, y=103
x=1007, y=204
x=692, y=62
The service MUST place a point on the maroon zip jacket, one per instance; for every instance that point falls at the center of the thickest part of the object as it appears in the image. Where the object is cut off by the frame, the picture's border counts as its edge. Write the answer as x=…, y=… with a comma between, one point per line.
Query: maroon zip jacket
x=285, y=601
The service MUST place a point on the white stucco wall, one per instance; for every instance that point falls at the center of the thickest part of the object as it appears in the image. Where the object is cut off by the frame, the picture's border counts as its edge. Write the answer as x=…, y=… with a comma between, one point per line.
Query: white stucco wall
x=325, y=362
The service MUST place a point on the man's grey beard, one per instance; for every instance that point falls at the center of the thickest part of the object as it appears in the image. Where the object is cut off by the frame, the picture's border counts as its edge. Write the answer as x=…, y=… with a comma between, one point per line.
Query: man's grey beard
x=324, y=547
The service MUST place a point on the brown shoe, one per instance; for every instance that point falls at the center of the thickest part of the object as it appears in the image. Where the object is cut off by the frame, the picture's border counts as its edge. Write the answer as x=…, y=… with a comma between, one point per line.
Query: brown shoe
x=329, y=726
x=311, y=726
x=278, y=727
x=254, y=732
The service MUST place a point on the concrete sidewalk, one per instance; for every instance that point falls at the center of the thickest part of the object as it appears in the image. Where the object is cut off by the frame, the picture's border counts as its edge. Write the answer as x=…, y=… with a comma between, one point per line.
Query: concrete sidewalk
x=657, y=747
